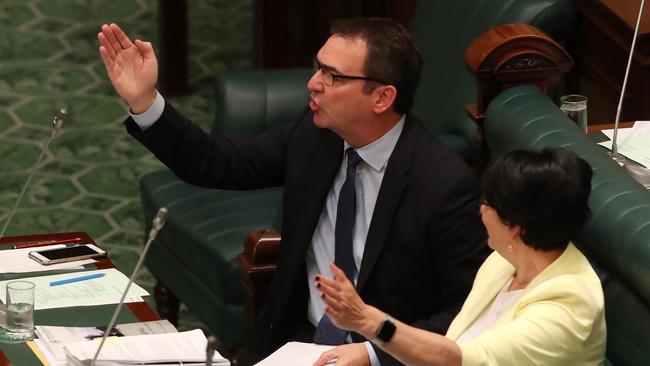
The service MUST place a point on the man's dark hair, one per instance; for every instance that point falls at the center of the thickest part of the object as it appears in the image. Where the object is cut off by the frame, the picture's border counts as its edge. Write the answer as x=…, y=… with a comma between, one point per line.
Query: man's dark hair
x=392, y=55
x=546, y=193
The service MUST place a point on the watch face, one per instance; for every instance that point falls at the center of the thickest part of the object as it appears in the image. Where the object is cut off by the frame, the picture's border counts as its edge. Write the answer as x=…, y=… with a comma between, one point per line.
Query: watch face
x=386, y=330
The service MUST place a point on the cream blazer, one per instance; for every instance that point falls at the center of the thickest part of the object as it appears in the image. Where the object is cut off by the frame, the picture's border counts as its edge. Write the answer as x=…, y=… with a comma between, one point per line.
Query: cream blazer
x=559, y=320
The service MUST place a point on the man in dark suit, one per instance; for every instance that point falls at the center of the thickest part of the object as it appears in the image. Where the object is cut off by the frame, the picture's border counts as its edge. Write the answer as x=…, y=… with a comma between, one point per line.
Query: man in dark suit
x=365, y=186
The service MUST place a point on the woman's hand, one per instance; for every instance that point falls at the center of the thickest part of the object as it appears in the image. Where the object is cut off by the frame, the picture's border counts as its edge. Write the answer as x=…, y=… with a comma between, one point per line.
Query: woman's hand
x=353, y=354
x=344, y=306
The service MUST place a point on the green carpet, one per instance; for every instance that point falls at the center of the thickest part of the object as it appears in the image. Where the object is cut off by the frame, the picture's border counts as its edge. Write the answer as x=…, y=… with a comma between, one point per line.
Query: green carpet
x=89, y=179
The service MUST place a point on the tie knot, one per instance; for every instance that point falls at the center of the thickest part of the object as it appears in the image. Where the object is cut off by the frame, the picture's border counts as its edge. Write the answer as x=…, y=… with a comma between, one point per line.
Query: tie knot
x=353, y=157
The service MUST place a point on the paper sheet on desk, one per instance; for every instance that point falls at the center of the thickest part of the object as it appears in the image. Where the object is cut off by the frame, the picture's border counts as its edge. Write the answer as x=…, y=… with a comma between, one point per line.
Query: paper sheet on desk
x=295, y=354
x=98, y=291
x=639, y=128
x=636, y=148
x=18, y=261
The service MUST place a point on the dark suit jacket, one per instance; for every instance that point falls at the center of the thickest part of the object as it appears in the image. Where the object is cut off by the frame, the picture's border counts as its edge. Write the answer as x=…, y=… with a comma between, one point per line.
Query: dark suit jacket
x=425, y=240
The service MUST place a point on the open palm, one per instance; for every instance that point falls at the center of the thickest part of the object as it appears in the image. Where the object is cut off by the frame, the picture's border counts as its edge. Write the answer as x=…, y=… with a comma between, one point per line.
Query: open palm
x=131, y=67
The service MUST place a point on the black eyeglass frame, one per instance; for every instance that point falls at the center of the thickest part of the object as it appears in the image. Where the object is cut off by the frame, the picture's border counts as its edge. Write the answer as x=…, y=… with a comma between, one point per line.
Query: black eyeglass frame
x=318, y=67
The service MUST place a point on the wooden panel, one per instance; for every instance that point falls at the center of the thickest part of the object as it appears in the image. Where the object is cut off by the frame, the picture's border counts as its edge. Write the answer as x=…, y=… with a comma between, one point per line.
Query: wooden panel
x=602, y=50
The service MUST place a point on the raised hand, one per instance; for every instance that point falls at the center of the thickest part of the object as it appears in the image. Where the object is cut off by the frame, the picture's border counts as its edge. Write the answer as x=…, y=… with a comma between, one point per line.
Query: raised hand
x=131, y=66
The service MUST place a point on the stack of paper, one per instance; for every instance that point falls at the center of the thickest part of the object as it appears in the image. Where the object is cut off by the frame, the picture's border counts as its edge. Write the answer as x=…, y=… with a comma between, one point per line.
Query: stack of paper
x=295, y=354
x=186, y=348
x=51, y=339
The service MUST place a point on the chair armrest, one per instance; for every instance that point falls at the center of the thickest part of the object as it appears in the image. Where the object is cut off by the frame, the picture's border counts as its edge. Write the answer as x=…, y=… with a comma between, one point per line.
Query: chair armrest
x=250, y=102
x=259, y=262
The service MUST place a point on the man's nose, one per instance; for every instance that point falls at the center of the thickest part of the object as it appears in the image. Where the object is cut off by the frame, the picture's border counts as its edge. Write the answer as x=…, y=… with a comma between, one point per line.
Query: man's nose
x=315, y=84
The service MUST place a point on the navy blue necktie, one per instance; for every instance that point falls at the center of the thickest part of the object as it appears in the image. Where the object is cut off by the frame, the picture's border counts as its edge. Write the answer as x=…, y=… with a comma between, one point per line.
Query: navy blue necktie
x=326, y=332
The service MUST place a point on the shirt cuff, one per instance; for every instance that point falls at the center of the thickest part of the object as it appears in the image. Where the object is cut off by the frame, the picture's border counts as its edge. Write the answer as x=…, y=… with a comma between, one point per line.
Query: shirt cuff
x=151, y=115
x=372, y=355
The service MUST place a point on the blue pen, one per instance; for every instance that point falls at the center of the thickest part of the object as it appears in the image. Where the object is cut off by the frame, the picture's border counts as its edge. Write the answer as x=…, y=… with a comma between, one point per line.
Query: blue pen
x=77, y=279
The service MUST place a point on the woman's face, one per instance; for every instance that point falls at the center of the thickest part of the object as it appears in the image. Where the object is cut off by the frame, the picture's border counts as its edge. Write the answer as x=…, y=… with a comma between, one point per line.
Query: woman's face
x=499, y=234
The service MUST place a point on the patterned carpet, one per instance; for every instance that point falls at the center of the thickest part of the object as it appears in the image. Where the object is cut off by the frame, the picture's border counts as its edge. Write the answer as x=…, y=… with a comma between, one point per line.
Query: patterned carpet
x=89, y=178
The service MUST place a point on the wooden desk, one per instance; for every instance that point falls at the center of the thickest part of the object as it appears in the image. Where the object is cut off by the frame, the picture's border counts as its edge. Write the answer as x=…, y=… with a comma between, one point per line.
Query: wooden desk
x=78, y=316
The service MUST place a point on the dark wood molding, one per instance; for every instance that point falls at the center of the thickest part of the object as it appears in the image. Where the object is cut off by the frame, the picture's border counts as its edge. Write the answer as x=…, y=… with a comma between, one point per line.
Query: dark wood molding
x=510, y=55
x=288, y=33
x=603, y=44
x=173, y=50
x=259, y=262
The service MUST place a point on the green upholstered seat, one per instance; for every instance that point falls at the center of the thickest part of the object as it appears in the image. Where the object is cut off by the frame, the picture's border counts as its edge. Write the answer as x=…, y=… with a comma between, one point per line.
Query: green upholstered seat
x=194, y=254
x=617, y=238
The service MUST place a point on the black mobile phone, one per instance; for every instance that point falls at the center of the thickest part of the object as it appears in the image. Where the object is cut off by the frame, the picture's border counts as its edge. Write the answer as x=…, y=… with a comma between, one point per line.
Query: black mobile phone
x=67, y=254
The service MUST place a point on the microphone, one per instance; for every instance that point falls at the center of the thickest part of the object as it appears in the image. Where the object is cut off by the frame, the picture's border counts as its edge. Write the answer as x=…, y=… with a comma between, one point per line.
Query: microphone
x=56, y=126
x=615, y=154
x=209, y=349
x=157, y=224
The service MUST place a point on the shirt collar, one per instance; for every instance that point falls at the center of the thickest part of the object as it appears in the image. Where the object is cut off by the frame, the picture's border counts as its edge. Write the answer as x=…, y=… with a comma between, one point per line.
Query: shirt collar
x=376, y=153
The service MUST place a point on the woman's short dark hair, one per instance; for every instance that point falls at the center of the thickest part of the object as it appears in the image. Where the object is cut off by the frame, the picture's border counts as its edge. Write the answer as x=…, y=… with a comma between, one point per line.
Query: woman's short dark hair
x=392, y=55
x=546, y=193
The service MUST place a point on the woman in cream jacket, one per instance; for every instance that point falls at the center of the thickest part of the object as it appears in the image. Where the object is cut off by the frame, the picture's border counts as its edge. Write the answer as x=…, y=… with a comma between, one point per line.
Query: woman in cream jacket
x=535, y=300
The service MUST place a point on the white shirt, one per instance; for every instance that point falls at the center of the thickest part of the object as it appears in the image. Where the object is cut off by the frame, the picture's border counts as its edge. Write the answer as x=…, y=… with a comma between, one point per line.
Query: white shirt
x=503, y=302
x=370, y=173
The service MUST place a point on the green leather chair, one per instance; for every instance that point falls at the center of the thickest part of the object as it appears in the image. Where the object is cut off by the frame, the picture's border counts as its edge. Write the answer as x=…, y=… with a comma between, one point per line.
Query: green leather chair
x=617, y=238
x=194, y=254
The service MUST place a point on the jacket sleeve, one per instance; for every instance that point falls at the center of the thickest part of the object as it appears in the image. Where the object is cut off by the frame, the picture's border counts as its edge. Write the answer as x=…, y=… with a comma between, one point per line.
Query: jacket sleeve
x=198, y=158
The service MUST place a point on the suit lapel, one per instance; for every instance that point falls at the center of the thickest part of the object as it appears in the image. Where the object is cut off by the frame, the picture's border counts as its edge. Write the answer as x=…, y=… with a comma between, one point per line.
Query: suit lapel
x=315, y=184
x=388, y=198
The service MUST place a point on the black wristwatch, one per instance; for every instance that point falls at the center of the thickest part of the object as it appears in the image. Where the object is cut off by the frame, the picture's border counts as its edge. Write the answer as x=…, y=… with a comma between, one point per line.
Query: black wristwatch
x=385, y=331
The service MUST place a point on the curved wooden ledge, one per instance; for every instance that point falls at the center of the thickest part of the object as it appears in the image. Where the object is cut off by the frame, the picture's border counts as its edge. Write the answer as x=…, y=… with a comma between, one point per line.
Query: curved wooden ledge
x=259, y=262
x=510, y=55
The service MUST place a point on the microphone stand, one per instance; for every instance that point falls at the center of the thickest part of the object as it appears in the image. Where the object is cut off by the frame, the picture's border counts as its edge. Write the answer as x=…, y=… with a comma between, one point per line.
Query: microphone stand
x=56, y=126
x=615, y=155
x=637, y=172
x=209, y=350
x=158, y=223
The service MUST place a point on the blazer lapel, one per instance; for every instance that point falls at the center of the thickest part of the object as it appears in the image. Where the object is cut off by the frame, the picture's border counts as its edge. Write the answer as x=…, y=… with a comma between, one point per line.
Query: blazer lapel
x=480, y=297
x=389, y=197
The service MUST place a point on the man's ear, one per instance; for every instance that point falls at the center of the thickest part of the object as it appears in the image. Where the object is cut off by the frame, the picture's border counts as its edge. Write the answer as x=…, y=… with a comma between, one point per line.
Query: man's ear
x=384, y=98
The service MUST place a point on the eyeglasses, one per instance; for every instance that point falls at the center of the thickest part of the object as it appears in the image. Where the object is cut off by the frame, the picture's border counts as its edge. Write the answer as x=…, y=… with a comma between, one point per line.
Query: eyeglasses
x=329, y=77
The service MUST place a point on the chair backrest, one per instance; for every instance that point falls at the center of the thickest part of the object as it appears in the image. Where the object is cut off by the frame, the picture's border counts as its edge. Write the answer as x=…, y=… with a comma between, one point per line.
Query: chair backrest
x=249, y=102
x=443, y=30
x=617, y=238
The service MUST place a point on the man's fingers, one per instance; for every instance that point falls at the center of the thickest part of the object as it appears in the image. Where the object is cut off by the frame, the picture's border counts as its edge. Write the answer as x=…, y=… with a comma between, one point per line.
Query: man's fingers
x=103, y=41
x=111, y=40
x=121, y=37
x=145, y=48
x=108, y=60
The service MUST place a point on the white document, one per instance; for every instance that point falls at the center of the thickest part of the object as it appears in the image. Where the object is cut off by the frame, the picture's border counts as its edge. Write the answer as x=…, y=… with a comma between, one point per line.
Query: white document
x=97, y=291
x=18, y=261
x=295, y=354
x=51, y=339
x=639, y=128
x=172, y=348
x=633, y=143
